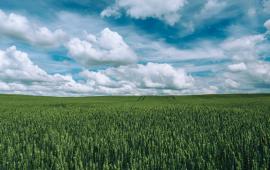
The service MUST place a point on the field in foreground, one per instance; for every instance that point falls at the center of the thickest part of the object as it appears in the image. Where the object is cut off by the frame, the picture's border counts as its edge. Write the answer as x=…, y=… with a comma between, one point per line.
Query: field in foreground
x=188, y=132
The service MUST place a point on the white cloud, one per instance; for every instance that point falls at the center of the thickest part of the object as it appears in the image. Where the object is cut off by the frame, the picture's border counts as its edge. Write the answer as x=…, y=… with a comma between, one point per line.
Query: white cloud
x=15, y=65
x=260, y=71
x=212, y=8
x=168, y=11
x=18, y=26
x=255, y=73
x=44, y=37
x=231, y=83
x=108, y=48
x=138, y=78
x=243, y=48
x=267, y=25
x=245, y=42
x=18, y=74
x=111, y=11
x=237, y=67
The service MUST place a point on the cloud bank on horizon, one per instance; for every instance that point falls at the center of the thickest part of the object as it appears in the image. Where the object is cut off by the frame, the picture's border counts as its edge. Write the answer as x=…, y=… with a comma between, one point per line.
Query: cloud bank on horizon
x=134, y=47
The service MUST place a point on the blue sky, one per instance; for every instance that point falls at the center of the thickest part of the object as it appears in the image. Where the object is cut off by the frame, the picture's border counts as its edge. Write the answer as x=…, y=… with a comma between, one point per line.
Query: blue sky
x=134, y=47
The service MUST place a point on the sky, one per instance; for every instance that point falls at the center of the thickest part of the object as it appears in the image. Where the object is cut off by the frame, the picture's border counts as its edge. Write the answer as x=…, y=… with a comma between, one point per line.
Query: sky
x=134, y=47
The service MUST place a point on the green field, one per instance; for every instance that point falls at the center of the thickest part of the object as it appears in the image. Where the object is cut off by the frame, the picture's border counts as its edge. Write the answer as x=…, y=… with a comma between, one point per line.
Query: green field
x=188, y=132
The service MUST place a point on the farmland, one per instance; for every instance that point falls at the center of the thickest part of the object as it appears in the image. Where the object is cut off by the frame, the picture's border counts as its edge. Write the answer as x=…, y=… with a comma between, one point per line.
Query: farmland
x=147, y=132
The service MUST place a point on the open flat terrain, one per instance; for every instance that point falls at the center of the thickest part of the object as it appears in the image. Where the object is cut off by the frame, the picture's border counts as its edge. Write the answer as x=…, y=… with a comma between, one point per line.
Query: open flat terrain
x=185, y=132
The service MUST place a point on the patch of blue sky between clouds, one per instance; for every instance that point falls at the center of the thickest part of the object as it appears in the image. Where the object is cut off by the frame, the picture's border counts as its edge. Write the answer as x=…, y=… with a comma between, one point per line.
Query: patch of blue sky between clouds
x=266, y=58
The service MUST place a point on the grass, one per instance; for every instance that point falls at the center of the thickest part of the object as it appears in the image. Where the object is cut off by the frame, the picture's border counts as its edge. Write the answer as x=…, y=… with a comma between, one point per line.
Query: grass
x=146, y=132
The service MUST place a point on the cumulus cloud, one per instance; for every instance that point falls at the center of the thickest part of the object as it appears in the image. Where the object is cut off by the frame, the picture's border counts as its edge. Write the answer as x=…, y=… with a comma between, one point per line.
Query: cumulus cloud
x=18, y=26
x=18, y=74
x=15, y=65
x=168, y=11
x=256, y=73
x=237, y=67
x=242, y=48
x=267, y=25
x=108, y=48
x=151, y=77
